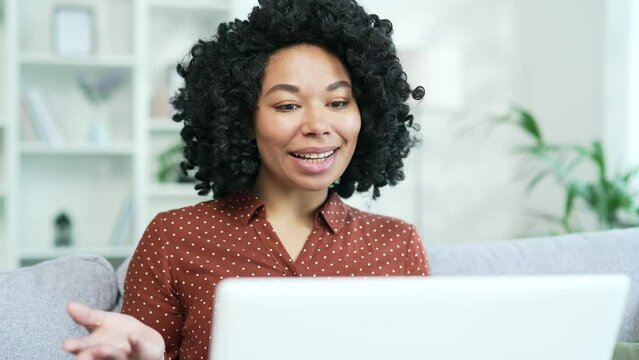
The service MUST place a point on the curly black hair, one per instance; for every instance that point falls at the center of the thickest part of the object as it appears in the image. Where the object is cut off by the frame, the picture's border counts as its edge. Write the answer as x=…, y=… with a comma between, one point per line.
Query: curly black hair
x=222, y=81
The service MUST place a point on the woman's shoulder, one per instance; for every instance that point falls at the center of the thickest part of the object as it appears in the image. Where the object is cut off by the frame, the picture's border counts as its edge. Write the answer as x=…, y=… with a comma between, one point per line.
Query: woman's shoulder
x=206, y=208
x=367, y=218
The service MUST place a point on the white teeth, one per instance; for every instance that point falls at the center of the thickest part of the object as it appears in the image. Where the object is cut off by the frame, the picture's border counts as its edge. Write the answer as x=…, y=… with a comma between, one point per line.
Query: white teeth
x=316, y=155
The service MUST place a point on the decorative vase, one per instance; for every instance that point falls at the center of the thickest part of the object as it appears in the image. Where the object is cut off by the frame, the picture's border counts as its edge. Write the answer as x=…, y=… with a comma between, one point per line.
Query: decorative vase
x=99, y=132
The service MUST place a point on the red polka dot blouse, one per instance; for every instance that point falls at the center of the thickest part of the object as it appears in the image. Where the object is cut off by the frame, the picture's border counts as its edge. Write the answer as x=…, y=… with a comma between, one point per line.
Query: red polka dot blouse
x=184, y=253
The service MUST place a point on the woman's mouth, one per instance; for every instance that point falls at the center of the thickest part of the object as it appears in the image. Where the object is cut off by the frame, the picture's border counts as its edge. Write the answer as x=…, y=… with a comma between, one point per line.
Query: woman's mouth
x=314, y=157
x=314, y=163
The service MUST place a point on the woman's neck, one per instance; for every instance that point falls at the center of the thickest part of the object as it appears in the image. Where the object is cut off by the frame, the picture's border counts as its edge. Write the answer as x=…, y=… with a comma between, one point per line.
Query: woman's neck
x=296, y=205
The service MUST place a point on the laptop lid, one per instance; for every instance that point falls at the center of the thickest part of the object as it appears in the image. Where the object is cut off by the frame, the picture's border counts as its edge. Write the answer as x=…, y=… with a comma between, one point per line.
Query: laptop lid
x=436, y=318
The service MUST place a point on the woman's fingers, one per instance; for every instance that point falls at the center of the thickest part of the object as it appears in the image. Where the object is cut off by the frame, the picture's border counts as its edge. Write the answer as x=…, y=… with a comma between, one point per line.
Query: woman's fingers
x=113, y=336
x=136, y=349
x=74, y=345
x=85, y=316
x=144, y=351
x=108, y=352
x=102, y=352
x=84, y=355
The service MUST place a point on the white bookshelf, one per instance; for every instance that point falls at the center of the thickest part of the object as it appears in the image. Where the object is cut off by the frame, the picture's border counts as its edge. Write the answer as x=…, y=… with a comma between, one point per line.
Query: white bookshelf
x=5, y=149
x=198, y=19
x=76, y=149
x=164, y=125
x=49, y=59
x=45, y=253
x=192, y=5
x=174, y=190
x=91, y=181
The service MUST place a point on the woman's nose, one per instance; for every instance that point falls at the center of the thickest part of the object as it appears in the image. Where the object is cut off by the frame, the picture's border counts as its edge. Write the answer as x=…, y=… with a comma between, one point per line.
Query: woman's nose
x=316, y=122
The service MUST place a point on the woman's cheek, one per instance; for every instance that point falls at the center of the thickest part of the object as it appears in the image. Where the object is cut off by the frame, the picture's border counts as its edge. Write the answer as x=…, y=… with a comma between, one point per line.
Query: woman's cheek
x=354, y=124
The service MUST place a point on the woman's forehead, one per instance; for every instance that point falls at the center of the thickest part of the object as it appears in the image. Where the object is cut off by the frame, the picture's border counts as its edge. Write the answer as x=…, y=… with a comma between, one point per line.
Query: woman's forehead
x=304, y=66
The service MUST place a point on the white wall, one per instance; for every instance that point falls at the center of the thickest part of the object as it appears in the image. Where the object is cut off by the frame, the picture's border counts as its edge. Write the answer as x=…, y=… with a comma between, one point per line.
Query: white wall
x=573, y=69
x=616, y=60
x=574, y=63
x=459, y=184
x=559, y=70
x=552, y=57
x=632, y=75
x=475, y=58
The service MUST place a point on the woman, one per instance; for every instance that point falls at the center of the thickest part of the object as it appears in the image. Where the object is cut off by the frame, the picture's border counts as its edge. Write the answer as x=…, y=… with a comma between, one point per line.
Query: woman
x=283, y=114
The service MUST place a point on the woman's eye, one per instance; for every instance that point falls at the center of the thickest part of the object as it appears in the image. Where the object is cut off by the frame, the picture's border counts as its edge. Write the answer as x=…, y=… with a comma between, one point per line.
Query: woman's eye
x=338, y=104
x=286, y=107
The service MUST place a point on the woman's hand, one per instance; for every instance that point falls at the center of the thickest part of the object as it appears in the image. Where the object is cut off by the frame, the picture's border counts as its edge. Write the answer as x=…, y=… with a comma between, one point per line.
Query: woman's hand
x=113, y=336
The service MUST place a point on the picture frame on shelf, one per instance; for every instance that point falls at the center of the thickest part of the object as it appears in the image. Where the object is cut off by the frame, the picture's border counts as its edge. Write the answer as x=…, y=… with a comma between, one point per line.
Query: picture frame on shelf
x=73, y=30
x=161, y=107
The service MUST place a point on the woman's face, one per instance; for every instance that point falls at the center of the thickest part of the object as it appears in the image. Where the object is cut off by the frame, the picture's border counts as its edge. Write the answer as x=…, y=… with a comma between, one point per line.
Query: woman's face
x=306, y=121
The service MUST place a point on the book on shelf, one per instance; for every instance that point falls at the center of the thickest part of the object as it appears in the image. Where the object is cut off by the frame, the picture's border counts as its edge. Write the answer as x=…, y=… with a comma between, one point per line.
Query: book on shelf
x=124, y=224
x=28, y=131
x=39, y=119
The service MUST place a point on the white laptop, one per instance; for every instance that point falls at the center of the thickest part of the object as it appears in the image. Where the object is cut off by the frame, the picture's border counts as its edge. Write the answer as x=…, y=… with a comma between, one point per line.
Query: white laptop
x=436, y=318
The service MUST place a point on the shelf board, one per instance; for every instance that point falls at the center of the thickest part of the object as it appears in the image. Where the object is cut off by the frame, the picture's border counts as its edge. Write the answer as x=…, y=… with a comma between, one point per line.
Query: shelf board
x=207, y=5
x=75, y=149
x=122, y=251
x=162, y=125
x=49, y=59
x=173, y=190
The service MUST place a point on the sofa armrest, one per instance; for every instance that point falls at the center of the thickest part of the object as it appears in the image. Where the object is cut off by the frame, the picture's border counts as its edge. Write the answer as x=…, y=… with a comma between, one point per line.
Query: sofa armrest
x=33, y=299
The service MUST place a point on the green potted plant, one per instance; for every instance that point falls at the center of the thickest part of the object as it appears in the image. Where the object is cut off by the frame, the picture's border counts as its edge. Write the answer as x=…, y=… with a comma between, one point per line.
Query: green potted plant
x=169, y=169
x=612, y=199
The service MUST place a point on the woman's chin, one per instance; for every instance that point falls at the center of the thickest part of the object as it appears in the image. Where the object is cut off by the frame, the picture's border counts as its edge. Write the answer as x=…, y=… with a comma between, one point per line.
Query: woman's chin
x=315, y=184
x=314, y=187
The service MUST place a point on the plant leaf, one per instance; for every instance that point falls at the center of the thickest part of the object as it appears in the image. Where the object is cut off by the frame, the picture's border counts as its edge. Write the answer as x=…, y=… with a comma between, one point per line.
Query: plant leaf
x=571, y=193
x=535, y=180
x=529, y=124
x=597, y=156
x=627, y=177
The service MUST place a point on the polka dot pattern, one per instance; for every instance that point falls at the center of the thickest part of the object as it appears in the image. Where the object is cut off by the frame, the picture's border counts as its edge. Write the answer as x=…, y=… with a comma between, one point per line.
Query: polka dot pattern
x=185, y=253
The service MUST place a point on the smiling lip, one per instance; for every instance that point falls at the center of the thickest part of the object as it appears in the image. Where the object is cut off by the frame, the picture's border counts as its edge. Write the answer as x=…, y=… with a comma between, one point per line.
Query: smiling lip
x=315, y=150
x=315, y=166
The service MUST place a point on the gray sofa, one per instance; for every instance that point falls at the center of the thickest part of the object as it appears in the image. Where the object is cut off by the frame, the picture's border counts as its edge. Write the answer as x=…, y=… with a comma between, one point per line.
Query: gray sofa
x=33, y=321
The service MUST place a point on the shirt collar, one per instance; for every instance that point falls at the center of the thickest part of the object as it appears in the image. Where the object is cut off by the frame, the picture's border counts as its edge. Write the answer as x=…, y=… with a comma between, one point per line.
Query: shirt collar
x=334, y=212
x=245, y=206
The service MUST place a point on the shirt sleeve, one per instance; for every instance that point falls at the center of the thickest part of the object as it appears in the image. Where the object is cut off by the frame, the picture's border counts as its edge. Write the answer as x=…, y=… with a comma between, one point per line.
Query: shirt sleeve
x=148, y=293
x=416, y=260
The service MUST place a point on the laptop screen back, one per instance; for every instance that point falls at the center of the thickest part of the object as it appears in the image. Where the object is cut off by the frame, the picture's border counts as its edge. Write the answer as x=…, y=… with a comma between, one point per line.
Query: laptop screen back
x=480, y=318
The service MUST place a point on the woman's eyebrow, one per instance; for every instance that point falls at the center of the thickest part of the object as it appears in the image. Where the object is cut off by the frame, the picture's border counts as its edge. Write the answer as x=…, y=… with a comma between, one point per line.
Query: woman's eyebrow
x=294, y=89
x=283, y=87
x=338, y=84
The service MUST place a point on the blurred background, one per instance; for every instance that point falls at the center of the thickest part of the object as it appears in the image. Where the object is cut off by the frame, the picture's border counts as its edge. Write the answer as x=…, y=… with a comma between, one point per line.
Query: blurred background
x=528, y=126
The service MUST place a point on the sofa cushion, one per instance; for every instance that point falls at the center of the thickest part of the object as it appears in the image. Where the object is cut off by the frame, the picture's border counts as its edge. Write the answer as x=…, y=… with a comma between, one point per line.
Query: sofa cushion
x=614, y=251
x=120, y=275
x=33, y=299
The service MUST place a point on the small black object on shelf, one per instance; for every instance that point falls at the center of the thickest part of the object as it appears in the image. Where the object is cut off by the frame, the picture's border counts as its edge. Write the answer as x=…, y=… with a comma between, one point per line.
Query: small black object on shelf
x=63, y=230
